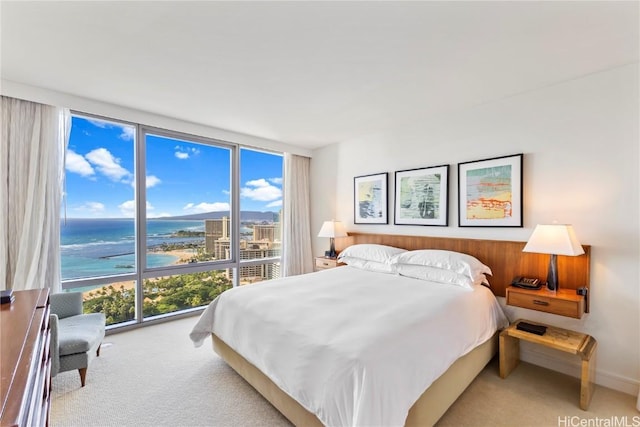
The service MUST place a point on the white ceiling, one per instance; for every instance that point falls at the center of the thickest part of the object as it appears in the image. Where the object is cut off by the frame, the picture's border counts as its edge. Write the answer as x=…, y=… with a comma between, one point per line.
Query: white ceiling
x=310, y=73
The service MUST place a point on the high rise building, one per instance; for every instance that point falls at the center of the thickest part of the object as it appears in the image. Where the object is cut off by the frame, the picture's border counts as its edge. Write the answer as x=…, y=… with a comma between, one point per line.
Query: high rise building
x=255, y=250
x=266, y=232
x=214, y=230
x=265, y=244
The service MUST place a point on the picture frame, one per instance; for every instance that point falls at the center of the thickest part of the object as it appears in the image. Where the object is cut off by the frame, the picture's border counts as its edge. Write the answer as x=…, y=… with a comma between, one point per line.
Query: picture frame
x=370, y=205
x=490, y=192
x=422, y=196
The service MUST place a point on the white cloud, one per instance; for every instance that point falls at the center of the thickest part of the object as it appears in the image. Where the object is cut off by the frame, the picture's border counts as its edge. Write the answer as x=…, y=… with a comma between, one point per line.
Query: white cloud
x=184, y=153
x=152, y=181
x=276, y=180
x=98, y=123
x=78, y=164
x=258, y=183
x=128, y=208
x=275, y=204
x=127, y=133
x=206, y=207
x=107, y=165
x=91, y=207
x=260, y=190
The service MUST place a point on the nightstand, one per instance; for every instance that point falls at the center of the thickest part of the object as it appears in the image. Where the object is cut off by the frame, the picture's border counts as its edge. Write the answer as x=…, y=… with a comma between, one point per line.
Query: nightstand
x=565, y=340
x=564, y=302
x=324, y=263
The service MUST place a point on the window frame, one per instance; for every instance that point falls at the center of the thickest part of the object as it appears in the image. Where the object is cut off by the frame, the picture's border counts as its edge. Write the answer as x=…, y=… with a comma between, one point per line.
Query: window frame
x=140, y=196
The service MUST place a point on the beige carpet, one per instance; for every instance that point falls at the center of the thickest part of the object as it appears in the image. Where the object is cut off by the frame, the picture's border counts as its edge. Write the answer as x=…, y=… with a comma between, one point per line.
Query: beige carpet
x=154, y=376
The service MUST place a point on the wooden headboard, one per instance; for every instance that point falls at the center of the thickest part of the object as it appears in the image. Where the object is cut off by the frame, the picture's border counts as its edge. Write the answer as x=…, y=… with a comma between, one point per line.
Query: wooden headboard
x=505, y=258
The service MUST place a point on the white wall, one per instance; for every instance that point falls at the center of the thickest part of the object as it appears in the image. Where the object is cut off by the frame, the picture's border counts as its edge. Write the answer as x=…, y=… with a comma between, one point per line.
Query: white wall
x=85, y=105
x=580, y=141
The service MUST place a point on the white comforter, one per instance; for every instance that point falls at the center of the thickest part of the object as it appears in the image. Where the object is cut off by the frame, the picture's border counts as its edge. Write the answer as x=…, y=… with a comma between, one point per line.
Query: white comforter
x=354, y=347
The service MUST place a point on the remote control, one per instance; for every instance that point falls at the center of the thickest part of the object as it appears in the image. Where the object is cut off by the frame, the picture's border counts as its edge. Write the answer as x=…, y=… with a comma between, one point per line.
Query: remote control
x=529, y=327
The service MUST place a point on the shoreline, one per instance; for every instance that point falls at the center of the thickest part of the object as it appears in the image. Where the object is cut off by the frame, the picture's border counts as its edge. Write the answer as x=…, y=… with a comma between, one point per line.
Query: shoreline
x=180, y=255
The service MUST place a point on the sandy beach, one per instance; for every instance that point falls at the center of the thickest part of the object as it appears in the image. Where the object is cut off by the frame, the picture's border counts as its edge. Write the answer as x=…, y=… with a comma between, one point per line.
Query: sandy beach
x=182, y=257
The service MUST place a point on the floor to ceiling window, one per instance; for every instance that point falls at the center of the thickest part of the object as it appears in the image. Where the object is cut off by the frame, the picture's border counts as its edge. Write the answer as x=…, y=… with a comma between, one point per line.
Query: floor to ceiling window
x=157, y=222
x=261, y=210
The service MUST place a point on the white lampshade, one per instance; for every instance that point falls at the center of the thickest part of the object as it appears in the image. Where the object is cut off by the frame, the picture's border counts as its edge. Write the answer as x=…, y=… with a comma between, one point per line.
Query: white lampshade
x=555, y=239
x=332, y=229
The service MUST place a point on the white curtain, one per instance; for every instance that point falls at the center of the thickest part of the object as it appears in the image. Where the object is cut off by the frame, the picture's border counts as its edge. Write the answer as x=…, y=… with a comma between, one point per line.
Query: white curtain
x=296, y=256
x=31, y=173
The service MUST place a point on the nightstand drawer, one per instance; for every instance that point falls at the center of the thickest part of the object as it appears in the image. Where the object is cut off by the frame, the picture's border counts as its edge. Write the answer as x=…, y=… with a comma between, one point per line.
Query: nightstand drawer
x=563, y=303
x=326, y=263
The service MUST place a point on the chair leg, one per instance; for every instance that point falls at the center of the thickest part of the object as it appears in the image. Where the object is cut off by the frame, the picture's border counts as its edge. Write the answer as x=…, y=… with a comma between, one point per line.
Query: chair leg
x=98, y=351
x=83, y=375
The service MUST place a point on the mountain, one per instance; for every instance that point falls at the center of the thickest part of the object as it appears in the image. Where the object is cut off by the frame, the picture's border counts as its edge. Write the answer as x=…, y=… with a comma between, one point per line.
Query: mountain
x=245, y=216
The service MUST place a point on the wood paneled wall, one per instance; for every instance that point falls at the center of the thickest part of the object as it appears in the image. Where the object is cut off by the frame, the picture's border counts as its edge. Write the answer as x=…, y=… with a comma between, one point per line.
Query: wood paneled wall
x=505, y=258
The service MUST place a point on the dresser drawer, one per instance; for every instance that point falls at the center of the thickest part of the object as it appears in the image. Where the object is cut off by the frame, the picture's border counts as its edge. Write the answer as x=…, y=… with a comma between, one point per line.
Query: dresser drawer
x=561, y=303
x=26, y=360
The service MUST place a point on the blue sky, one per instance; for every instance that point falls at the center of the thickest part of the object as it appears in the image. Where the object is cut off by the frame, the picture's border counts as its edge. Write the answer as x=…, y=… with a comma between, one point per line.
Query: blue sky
x=182, y=177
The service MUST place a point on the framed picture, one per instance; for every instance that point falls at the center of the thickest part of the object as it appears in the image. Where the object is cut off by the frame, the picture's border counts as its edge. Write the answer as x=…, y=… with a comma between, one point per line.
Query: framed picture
x=370, y=199
x=421, y=196
x=490, y=192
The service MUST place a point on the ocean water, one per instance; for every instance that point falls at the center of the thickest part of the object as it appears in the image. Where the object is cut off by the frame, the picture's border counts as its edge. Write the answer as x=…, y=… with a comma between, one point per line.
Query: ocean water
x=100, y=247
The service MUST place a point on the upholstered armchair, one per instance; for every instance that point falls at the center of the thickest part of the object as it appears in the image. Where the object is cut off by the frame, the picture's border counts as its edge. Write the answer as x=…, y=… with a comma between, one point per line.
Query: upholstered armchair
x=75, y=337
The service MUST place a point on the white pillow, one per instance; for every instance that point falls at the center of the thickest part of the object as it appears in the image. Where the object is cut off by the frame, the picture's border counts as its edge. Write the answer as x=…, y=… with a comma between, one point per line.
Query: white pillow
x=482, y=280
x=371, y=252
x=363, y=264
x=434, y=274
x=446, y=260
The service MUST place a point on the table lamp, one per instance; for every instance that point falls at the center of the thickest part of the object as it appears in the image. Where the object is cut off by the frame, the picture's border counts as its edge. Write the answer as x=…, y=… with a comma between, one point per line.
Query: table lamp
x=554, y=239
x=332, y=229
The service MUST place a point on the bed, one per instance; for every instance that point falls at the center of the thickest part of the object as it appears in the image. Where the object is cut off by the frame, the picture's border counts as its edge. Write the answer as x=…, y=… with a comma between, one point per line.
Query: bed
x=357, y=346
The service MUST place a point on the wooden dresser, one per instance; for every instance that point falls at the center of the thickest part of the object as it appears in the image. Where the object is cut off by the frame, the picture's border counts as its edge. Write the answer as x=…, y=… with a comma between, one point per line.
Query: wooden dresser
x=25, y=360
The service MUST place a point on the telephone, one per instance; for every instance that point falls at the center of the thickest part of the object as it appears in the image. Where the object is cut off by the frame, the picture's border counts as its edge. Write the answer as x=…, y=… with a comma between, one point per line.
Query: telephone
x=526, y=283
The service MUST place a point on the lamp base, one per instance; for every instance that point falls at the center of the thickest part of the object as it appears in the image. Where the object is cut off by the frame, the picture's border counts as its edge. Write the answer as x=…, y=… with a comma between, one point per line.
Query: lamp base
x=552, y=273
x=332, y=251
